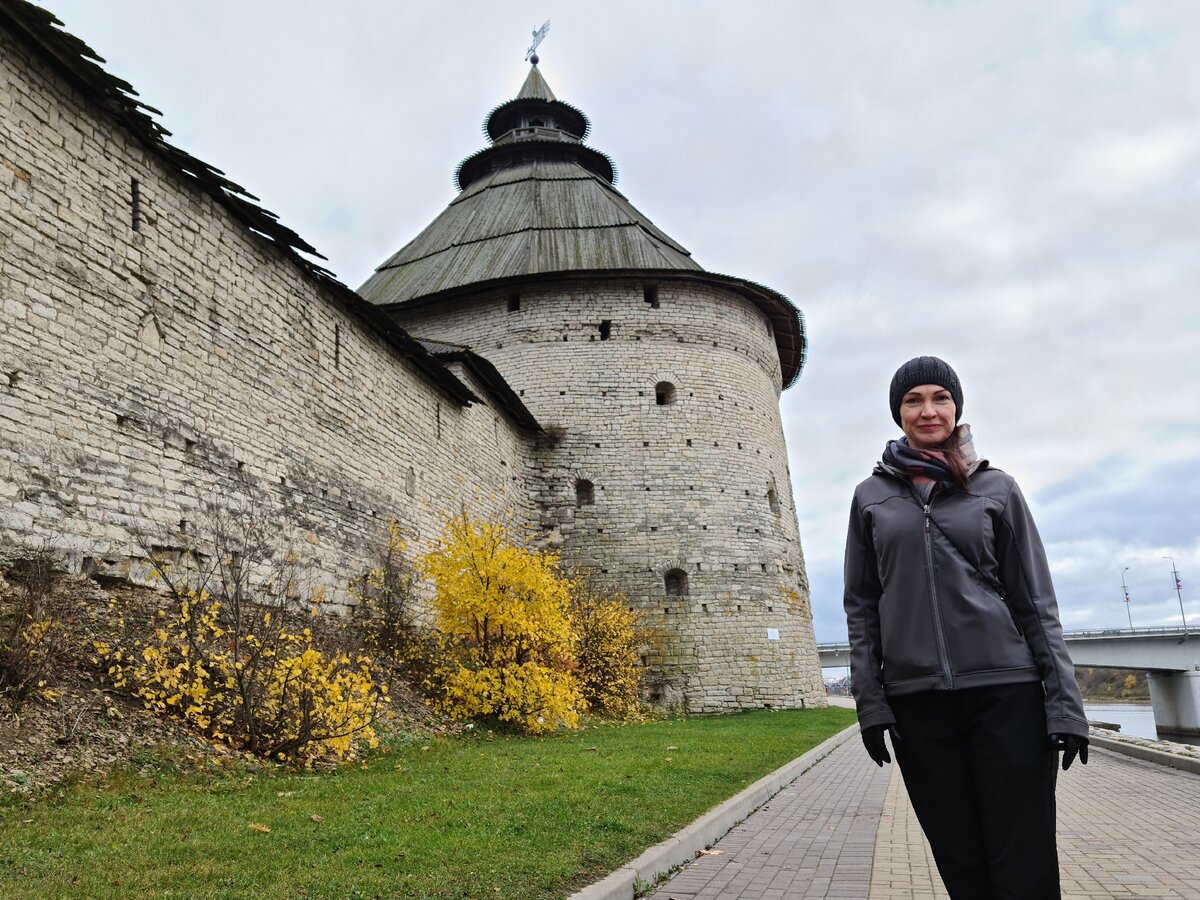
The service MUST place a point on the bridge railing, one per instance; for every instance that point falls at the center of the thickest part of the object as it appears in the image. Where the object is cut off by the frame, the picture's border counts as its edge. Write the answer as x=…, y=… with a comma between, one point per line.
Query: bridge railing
x=1082, y=634
x=1092, y=633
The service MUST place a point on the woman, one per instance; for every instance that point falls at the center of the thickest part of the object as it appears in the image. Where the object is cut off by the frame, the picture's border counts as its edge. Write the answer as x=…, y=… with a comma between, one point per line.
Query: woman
x=956, y=647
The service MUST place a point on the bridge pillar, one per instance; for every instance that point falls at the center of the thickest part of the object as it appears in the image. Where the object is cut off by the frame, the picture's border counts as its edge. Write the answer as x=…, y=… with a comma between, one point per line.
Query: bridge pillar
x=1175, y=697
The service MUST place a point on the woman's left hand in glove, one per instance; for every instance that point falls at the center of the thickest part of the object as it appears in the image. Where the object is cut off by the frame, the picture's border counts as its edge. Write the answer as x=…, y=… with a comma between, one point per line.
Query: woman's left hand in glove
x=1071, y=745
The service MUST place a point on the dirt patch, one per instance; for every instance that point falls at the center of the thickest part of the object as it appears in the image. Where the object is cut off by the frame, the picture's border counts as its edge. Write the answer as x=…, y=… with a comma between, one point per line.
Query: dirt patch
x=84, y=733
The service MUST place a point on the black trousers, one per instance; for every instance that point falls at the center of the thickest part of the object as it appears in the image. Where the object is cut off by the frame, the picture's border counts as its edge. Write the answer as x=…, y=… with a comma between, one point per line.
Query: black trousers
x=980, y=772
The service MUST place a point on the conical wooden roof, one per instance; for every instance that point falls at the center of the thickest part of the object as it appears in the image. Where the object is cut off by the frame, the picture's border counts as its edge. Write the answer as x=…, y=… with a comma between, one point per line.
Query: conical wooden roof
x=539, y=202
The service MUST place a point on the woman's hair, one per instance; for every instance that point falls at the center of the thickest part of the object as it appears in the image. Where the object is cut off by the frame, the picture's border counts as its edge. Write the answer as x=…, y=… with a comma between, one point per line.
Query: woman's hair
x=956, y=463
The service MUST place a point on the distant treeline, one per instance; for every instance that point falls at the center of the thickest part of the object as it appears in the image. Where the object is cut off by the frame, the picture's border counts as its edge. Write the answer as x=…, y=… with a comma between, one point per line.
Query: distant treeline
x=1112, y=684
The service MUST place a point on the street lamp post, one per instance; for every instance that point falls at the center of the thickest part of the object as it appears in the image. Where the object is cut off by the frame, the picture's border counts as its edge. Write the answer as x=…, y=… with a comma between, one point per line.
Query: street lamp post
x=1178, y=593
x=1126, y=590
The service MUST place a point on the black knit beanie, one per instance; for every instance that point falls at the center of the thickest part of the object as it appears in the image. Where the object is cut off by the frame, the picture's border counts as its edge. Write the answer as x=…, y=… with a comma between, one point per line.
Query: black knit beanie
x=925, y=370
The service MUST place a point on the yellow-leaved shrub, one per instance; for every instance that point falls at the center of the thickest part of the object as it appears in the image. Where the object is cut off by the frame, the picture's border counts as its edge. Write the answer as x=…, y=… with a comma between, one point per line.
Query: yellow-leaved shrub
x=233, y=656
x=610, y=669
x=268, y=690
x=502, y=612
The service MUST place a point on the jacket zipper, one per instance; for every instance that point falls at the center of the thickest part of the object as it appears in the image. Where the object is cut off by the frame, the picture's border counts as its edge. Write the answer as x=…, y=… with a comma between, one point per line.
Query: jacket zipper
x=935, y=604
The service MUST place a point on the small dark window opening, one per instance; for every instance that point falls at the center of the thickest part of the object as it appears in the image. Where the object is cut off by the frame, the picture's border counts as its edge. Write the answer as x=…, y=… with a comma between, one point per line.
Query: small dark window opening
x=135, y=203
x=514, y=303
x=650, y=295
x=537, y=123
x=676, y=583
x=585, y=492
x=605, y=329
x=337, y=346
x=439, y=419
x=664, y=393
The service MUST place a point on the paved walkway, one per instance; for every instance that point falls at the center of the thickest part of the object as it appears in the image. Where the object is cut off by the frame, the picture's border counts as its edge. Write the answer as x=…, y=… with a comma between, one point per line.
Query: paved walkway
x=1126, y=828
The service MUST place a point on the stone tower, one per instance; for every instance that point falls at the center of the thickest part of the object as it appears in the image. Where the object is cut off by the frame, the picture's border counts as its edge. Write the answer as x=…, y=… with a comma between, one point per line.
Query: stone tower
x=663, y=470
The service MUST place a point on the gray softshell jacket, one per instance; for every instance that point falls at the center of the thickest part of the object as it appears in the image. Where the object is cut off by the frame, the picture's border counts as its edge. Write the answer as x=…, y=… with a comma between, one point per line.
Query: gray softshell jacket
x=953, y=593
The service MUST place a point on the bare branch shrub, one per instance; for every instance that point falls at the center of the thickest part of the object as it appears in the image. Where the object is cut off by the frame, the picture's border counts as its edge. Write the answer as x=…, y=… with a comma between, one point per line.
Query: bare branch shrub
x=387, y=614
x=34, y=629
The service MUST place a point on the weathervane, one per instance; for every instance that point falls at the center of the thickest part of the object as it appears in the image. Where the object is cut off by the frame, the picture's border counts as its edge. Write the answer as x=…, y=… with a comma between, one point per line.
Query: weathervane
x=538, y=37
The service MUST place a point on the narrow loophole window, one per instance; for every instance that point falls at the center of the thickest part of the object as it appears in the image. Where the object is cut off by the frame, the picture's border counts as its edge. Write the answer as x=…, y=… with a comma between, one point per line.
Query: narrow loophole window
x=605, y=329
x=514, y=303
x=337, y=346
x=676, y=583
x=664, y=393
x=585, y=492
x=650, y=295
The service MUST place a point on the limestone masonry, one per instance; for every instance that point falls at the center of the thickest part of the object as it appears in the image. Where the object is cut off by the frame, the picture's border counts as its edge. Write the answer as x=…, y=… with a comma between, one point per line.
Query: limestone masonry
x=542, y=350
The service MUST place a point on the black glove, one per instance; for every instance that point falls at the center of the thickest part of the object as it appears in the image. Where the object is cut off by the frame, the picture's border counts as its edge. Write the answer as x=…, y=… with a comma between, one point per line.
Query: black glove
x=872, y=738
x=1071, y=745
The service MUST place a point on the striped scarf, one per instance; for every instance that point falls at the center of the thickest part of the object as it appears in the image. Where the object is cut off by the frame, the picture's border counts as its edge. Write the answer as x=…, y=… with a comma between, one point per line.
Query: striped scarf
x=928, y=468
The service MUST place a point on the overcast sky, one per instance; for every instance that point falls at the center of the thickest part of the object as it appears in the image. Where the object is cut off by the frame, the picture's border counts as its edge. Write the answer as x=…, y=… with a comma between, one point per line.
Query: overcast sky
x=1013, y=186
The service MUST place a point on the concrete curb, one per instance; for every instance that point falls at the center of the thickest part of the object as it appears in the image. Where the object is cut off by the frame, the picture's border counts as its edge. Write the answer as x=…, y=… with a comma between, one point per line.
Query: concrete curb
x=684, y=845
x=1149, y=754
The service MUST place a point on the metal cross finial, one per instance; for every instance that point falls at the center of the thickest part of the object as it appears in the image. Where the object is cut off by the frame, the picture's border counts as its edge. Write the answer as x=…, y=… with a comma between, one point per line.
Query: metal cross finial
x=538, y=37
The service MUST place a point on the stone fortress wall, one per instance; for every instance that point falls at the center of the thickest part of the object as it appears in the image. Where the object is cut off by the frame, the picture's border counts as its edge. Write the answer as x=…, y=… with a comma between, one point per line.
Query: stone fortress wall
x=664, y=398
x=155, y=358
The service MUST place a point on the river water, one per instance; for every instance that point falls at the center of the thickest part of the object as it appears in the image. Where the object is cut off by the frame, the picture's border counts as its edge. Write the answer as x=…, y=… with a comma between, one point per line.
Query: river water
x=1134, y=718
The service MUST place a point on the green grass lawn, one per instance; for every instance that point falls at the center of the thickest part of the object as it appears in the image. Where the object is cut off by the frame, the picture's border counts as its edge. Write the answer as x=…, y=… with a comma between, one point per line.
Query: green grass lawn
x=464, y=817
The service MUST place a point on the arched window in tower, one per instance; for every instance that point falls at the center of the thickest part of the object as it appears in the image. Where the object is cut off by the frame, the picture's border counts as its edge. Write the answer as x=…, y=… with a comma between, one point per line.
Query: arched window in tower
x=773, y=499
x=676, y=583
x=664, y=393
x=585, y=492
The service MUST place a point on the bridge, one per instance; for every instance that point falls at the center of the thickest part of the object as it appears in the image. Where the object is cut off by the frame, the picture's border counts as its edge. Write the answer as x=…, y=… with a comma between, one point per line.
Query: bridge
x=1170, y=657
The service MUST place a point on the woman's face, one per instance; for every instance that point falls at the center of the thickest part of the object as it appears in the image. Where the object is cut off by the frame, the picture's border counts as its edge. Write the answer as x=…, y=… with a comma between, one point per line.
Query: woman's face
x=927, y=416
